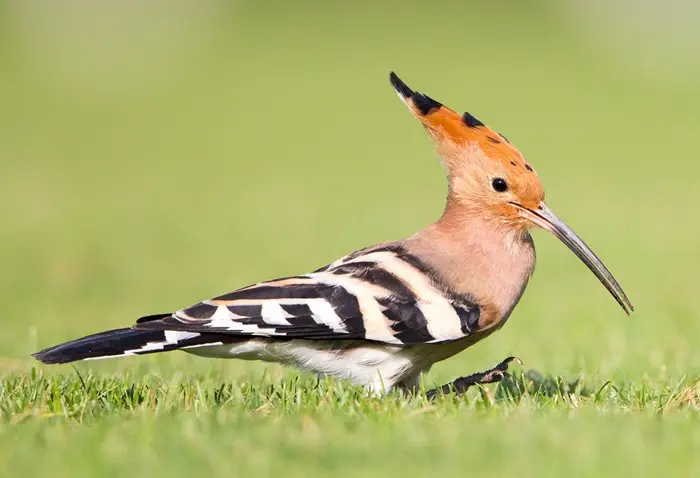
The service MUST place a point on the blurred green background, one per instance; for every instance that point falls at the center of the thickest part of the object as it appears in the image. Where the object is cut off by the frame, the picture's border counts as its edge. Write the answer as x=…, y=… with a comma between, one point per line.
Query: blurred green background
x=156, y=153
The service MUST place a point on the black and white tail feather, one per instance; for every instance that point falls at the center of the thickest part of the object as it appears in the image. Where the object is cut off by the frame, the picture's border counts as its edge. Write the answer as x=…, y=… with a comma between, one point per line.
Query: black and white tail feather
x=363, y=317
x=127, y=341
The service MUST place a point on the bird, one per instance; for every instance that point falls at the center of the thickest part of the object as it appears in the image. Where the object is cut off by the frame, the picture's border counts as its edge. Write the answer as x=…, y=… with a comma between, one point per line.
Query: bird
x=382, y=316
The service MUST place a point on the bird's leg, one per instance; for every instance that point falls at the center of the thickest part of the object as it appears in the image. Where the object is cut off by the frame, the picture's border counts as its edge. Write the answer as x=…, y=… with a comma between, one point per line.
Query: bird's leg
x=461, y=385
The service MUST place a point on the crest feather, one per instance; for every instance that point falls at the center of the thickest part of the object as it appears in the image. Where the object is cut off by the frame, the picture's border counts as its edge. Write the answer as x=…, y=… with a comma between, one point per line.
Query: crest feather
x=446, y=125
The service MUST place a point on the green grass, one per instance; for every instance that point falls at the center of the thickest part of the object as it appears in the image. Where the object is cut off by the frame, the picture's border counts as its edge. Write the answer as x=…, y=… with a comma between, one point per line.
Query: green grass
x=267, y=143
x=197, y=424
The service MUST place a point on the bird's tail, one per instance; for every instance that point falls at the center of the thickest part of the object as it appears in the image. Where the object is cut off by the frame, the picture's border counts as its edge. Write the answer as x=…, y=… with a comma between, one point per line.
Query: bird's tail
x=122, y=342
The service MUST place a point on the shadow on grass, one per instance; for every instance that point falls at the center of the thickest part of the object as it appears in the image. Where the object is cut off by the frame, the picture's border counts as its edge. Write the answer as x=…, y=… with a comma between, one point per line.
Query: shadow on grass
x=535, y=383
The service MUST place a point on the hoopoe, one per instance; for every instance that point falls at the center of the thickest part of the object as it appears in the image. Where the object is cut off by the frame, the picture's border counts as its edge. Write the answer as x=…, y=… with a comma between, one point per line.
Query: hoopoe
x=381, y=316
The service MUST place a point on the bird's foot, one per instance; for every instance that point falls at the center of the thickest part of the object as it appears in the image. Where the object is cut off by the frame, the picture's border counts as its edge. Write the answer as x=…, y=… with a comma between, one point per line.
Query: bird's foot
x=461, y=385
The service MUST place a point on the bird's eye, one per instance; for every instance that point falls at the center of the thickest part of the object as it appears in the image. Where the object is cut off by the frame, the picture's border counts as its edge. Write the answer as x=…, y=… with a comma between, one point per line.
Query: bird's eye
x=499, y=184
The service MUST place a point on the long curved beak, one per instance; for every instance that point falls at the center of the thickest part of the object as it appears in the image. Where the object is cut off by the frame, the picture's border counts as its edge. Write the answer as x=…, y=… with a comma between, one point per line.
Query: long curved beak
x=546, y=219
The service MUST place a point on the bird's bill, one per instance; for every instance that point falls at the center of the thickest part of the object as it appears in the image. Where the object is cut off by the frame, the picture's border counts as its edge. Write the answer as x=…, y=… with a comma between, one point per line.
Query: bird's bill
x=546, y=219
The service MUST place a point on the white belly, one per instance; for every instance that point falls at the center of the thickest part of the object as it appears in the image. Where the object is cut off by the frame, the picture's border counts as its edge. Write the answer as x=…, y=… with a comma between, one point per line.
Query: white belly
x=378, y=367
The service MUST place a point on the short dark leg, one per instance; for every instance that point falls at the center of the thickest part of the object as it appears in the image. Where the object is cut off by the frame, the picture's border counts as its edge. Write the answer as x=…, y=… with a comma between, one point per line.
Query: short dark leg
x=461, y=385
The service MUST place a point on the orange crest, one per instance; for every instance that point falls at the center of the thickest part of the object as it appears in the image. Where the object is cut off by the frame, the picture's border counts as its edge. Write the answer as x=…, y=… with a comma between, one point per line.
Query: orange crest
x=475, y=156
x=446, y=125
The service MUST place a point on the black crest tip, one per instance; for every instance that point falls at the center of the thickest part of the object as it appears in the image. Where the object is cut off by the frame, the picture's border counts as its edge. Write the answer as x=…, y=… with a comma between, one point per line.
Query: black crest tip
x=424, y=103
x=470, y=121
x=400, y=87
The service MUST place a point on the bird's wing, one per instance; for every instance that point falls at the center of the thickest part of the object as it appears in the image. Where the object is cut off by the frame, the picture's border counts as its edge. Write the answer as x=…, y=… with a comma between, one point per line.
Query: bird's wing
x=380, y=294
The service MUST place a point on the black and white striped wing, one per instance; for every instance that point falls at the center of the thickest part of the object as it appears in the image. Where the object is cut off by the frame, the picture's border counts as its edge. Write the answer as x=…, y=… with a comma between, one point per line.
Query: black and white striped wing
x=382, y=294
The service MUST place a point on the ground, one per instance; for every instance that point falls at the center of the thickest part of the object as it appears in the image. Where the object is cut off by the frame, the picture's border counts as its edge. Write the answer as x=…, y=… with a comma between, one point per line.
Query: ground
x=274, y=144
x=201, y=425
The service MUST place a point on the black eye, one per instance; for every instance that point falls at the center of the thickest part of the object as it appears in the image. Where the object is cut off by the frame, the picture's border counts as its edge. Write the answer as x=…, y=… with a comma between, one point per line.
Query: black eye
x=499, y=184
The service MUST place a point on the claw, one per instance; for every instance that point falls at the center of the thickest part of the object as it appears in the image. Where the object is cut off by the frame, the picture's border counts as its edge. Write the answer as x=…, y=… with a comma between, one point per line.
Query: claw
x=460, y=385
x=509, y=360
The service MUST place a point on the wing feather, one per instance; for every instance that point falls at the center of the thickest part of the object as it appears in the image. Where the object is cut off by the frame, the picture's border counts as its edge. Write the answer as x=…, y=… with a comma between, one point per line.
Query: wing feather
x=381, y=294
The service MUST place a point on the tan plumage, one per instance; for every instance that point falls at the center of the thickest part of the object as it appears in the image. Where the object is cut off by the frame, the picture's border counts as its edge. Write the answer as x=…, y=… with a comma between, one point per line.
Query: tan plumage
x=382, y=315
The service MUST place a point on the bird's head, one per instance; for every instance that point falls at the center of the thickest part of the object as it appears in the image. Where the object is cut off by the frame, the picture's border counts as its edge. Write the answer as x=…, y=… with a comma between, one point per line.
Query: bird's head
x=490, y=178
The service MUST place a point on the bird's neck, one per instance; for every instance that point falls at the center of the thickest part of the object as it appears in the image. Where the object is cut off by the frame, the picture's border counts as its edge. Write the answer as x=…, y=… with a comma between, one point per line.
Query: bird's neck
x=480, y=258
